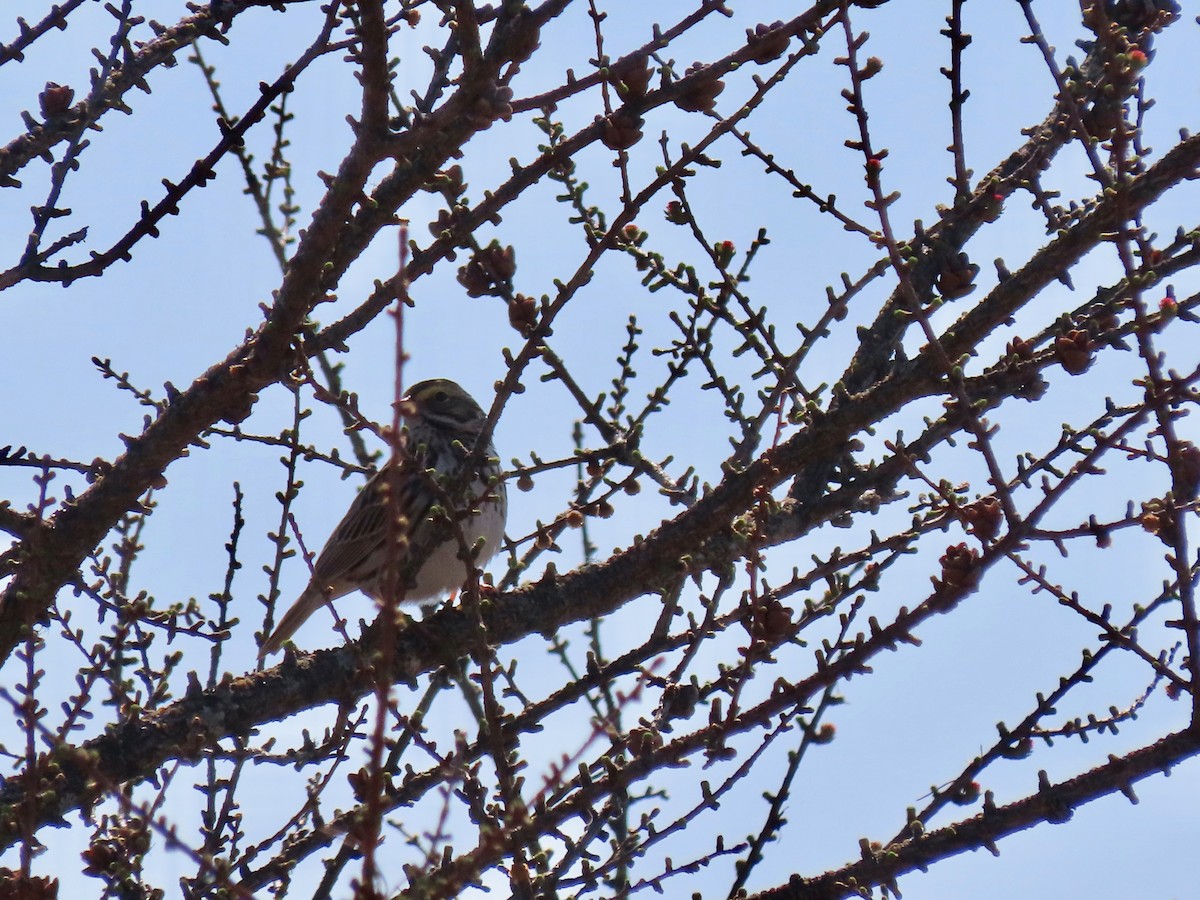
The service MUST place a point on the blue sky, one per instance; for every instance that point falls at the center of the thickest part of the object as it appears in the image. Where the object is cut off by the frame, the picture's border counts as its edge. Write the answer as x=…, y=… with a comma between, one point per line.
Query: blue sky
x=187, y=297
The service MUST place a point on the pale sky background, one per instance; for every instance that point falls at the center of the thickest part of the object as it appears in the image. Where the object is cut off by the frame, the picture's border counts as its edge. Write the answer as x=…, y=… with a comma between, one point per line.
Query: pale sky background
x=187, y=297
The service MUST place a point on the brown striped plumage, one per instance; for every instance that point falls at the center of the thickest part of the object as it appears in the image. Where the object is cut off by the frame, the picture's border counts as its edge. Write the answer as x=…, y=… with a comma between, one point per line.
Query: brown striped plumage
x=438, y=413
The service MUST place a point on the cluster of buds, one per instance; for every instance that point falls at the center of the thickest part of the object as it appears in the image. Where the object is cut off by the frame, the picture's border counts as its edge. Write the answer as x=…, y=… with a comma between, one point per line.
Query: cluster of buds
x=600, y=509
x=1105, y=324
x=449, y=181
x=1125, y=69
x=1138, y=14
x=963, y=794
x=1074, y=351
x=1123, y=65
x=825, y=734
x=489, y=268
x=114, y=857
x=642, y=741
x=55, y=99
x=1158, y=518
x=1102, y=534
x=991, y=206
x=1188, y=476
x=679, y=700
x=957, y=277
x=632, y=80
x=448, y=221
x=1018, y=749
x=960, y=570
x=523, y=315
x=544, y=539
x=562, y=168
x=29, y=887
x=521, y=36
x=872, y=67
x=494, y=102
x=767, y=42
x=633, y=235
x=701, y=96
x=360, y=784
x=983, y=517
x=524, y=479
x=621, y=130
x=1018, y=350
x=675, y=213
x=870, y=577
x=1168, y=305
x=874, y=167
x=770, y=621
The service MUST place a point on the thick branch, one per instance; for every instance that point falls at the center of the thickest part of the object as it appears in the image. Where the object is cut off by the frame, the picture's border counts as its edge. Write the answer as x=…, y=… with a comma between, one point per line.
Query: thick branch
x=1051, y=803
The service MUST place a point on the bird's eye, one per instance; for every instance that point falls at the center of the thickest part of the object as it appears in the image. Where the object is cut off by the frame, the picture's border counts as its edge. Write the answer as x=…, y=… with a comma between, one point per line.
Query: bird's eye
x=440, y=397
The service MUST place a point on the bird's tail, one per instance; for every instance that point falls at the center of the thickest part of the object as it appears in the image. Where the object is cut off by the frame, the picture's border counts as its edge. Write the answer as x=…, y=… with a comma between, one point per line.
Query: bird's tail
x=312, y=599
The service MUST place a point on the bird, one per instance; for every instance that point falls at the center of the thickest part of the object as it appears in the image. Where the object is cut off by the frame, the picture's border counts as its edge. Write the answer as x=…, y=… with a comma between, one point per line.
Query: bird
x=444, y=424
